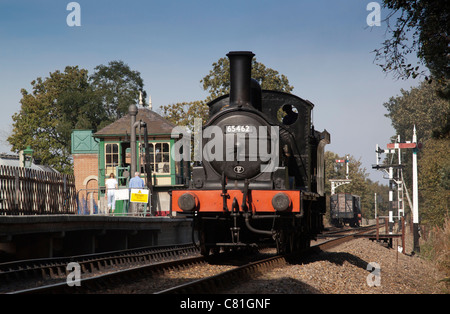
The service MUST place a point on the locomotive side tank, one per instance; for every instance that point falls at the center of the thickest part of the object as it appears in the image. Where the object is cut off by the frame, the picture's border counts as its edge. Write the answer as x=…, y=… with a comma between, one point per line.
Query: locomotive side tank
x=261, y=178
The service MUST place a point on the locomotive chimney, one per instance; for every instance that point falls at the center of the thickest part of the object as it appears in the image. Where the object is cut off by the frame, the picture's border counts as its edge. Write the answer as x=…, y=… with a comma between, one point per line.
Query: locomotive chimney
x=240, y=77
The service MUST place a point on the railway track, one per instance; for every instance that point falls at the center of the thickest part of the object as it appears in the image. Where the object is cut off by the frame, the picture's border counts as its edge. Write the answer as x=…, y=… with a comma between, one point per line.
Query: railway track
x=221, y=281
x=337, y=232
x=209, y=284
x=55, y=269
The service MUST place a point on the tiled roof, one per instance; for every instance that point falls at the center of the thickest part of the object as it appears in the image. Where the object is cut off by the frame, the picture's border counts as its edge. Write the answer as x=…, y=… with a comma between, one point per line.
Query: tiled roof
x=155, y=124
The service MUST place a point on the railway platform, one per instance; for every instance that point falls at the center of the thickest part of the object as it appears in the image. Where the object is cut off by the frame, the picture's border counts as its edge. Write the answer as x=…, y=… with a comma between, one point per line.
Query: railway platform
x=43, y=236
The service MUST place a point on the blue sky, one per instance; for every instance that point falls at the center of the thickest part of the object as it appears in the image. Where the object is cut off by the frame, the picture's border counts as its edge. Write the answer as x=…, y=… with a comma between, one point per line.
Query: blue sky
x=323, y=47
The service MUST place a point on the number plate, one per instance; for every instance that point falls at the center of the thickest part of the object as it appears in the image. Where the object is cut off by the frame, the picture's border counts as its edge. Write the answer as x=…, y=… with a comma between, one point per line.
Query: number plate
x=239, y=128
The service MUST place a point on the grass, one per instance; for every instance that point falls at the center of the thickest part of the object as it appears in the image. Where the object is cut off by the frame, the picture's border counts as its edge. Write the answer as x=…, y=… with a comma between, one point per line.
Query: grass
x=437, y=249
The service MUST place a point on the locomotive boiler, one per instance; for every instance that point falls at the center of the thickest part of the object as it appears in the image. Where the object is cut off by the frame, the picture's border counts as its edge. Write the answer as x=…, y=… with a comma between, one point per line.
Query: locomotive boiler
x=261, y=178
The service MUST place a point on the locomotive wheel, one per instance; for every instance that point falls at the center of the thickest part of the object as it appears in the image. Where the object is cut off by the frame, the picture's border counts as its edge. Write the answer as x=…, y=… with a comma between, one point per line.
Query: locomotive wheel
x=286, y=242
x=291, y=243
x=305, y=243
x=204, y=249
x=280, y=243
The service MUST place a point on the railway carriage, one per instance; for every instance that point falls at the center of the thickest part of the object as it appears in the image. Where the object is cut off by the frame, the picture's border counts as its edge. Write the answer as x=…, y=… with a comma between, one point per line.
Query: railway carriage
x=261, y=178
x=345, y=209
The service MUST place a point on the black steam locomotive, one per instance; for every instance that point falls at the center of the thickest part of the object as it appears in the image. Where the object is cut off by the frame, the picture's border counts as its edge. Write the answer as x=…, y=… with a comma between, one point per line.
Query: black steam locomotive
x=261, y=179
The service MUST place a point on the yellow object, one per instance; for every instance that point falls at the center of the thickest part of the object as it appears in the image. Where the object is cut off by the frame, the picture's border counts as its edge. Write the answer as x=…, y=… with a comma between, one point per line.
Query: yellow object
x=139, y=196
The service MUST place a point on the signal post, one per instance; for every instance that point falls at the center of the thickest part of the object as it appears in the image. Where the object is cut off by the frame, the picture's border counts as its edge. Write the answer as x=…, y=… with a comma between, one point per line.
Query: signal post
x=335, y=183
x=415, y=207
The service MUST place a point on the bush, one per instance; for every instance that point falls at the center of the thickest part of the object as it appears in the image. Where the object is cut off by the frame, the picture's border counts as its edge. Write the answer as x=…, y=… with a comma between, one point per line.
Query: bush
x=437, y=247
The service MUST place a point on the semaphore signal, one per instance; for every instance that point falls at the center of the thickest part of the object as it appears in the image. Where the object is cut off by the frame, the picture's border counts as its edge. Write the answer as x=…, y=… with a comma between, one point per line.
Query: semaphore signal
x=391, y=149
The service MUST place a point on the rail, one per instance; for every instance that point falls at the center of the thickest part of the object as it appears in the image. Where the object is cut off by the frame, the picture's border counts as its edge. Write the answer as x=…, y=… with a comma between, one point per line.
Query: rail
x=247, y=271
x=204, y=285
x=54, y=268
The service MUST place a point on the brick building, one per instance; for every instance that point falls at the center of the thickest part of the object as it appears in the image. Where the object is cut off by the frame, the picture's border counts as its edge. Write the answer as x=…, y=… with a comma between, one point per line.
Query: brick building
x=85, y=159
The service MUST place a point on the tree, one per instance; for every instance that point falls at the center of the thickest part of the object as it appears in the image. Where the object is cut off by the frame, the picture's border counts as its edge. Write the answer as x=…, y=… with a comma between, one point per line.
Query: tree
x=117, y=86
x=434, y=181
x=421, y=106
x=421, y=27
x=57, y=105
x=71, y=100
x=217, y=82
x=430, y=113
x=183, y=114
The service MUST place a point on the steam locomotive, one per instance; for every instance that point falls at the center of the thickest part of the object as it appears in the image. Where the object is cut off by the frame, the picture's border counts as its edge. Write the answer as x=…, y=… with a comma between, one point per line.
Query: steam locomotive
x=261, y=179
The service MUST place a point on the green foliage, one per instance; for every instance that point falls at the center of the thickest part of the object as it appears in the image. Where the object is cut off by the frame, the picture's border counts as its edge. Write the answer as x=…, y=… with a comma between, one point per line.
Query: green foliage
x=71, y=100
x=421, y=27
x=421, y=106
x=217, y=82
x=47, y=116
x=434, y=181
x=437, y=249
x=117, y=86
x=183, y=114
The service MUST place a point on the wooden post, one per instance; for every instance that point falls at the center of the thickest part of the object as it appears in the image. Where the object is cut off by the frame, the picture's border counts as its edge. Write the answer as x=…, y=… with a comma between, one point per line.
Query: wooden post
x=403, y=235
x=378, y=229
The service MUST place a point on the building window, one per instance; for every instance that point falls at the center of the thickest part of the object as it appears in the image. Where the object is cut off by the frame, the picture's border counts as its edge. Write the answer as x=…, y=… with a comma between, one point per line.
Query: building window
x=159, y=157
x=111, y=158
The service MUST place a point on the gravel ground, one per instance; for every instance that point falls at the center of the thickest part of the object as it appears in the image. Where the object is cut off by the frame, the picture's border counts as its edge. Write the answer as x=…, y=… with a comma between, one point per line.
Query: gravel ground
x=169, y=279
x=343, y=270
